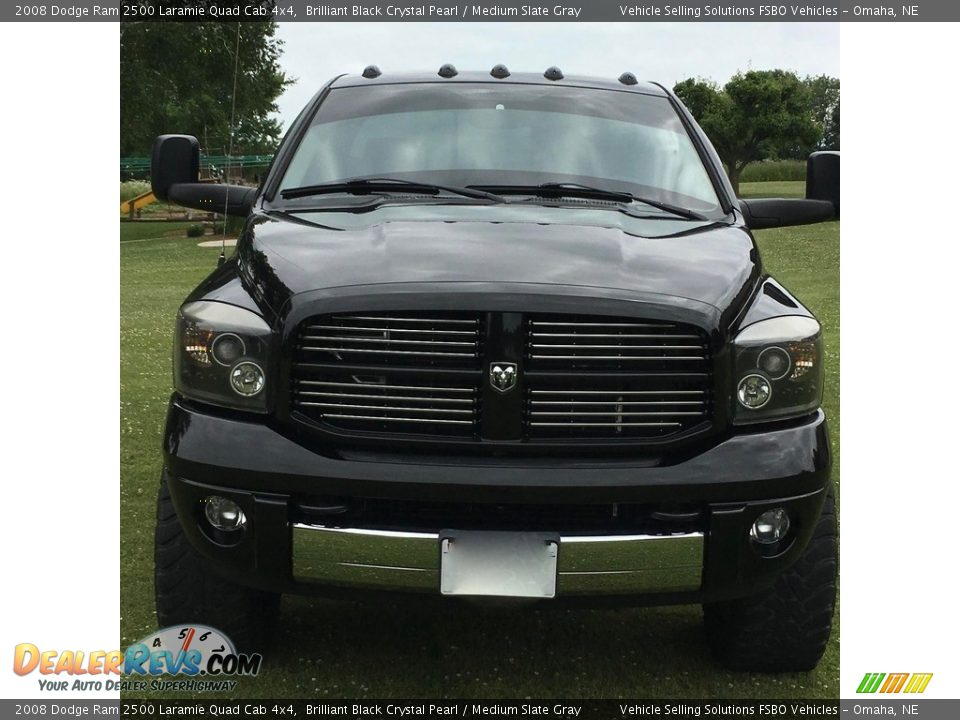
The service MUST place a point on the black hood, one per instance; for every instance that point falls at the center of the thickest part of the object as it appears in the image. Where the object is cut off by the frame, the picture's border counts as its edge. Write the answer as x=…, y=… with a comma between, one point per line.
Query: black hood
x=558, y=249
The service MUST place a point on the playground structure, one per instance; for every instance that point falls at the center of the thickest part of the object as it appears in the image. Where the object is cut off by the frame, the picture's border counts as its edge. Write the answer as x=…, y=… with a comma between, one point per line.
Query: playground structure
x=133, y=206
x=213, y=168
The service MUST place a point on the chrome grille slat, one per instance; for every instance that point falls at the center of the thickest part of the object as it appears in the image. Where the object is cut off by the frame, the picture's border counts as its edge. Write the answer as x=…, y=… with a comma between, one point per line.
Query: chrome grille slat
x=386, y=408
x=617, y=347
x=403, y=331
x=630, y=403
x=407, y=398
x=606, y=425
x=441, y=421
x=617, y=392
x=614, y=357
x=312, y=348
x=387, y=318
x=606, y=336
x=365, y=386
x=614, y=377
x=616, y=413
x=391, y=341
x=581, y=323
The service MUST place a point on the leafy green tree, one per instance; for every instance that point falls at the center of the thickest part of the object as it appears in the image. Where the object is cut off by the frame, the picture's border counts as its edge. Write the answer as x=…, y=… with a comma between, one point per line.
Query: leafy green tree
x=757, y=115
x=825, y=98
x=179, y=77
x=831, y=135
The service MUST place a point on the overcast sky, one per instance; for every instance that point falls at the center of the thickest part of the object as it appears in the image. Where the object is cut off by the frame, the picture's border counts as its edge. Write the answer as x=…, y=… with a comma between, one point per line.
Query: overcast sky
x=665, y=52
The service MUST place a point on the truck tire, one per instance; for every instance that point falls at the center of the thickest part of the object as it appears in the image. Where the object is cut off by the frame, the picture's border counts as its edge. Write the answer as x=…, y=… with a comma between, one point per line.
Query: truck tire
x=785, y=628
x=188, y=591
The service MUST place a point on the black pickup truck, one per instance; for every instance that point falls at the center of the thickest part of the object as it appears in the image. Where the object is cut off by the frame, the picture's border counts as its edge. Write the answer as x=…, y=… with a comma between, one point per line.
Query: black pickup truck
x=507, y=336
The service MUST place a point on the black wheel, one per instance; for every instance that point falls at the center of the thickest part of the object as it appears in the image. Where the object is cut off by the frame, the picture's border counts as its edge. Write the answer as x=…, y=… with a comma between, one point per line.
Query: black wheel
x=786, y=628
x=188, y=591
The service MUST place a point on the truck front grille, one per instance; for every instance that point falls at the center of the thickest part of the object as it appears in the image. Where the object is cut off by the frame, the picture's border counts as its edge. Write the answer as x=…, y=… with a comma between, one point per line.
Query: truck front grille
x=408, y=339
x=614, y=377
x=592, y=343
x=409, y=373
x=423, y=374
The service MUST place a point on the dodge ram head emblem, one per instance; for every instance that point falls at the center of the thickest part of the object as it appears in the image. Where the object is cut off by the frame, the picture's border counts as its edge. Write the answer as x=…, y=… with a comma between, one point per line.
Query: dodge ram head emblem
x=503, y=376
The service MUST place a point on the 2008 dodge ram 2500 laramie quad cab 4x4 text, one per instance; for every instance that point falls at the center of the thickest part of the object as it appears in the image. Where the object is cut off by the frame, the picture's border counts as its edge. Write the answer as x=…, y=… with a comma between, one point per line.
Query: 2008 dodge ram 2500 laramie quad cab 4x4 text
x=499, y=335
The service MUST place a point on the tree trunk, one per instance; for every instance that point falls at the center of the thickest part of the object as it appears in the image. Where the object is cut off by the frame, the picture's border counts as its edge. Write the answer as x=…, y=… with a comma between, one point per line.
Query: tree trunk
x=734, y=174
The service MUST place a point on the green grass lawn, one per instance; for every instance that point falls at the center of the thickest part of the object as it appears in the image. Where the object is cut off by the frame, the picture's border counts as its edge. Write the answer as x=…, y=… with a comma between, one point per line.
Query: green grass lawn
x=778, y=188
x=336, y=649
x=143, y=230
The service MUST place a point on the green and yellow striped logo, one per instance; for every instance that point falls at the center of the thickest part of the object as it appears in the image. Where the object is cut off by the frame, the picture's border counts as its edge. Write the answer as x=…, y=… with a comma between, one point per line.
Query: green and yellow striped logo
x=894, y=682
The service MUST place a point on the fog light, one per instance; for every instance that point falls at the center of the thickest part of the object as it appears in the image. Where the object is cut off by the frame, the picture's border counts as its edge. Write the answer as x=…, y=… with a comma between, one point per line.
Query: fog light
x=224, y=514
x=754, y=392
x=246, y=379
x=772, y=526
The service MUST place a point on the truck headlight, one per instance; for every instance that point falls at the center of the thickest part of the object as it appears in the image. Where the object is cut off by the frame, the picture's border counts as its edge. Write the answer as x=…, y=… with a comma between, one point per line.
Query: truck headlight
x=220, y=355
x=779, y=369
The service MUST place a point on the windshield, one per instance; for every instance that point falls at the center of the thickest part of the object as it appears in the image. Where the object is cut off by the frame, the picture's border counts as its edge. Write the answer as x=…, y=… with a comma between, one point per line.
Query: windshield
x=488, y=134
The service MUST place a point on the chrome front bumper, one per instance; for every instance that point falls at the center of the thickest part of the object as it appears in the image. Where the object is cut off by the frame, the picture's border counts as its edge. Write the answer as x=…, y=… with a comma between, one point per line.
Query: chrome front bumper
x=586, y=565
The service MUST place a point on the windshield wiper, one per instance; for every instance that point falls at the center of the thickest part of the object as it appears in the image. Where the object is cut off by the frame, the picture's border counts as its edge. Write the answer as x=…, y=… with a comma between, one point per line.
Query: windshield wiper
x=576, y=190
x=366, y=186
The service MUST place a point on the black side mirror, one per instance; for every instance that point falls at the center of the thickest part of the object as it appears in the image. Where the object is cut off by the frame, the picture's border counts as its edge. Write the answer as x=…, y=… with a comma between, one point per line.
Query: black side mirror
x=822, y=201
x=823, y=177
x=762, y=213
x=176, y=160
x=175, y=177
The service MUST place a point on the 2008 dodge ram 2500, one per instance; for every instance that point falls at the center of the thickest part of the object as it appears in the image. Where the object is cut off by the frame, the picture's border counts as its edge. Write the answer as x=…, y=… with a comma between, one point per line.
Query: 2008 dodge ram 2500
x=494, y=334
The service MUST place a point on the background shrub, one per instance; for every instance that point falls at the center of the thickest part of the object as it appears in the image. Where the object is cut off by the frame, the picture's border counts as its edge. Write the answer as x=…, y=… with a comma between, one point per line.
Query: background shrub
x=132, y=188
x=774, y=170
x=196, y=230
x=235, y=226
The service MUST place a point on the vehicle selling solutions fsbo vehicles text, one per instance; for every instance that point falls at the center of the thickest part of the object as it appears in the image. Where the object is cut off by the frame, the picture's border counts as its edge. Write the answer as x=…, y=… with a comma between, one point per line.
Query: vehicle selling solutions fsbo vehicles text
x=698, y=11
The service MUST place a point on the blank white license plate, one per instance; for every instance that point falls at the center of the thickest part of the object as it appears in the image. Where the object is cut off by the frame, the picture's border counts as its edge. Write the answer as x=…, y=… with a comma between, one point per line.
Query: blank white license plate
x=502, y=564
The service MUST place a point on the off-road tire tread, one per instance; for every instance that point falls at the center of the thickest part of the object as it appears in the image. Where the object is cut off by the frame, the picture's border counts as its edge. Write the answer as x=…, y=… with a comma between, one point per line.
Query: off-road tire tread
x=787, y=627
x=188, y=591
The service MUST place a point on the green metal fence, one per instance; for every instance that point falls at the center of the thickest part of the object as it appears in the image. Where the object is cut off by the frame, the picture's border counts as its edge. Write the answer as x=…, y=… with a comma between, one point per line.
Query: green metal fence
x=214, y=164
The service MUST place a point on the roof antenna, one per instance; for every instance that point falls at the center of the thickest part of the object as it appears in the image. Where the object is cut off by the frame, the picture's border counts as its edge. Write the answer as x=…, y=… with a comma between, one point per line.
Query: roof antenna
x=233, y=113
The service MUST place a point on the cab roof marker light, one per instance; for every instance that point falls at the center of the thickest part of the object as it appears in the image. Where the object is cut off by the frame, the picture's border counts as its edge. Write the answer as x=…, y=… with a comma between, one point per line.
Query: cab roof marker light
x=371, y=71
x=500, y=72
x=447, y=70
x=628, y=78
x=553, y=73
